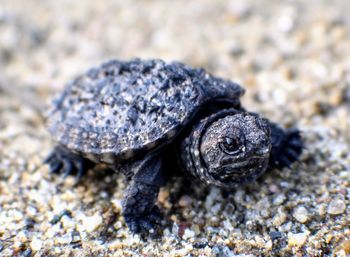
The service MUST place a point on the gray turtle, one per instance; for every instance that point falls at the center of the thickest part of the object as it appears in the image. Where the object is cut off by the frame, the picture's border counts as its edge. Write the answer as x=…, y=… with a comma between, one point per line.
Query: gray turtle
x=150, y=120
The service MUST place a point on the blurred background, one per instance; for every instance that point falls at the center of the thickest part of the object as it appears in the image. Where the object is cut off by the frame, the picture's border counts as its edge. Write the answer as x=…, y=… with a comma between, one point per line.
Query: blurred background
x=293, y=58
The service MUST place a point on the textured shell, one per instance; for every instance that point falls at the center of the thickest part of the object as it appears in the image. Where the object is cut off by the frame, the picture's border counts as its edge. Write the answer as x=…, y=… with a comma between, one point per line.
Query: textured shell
x=121, y=107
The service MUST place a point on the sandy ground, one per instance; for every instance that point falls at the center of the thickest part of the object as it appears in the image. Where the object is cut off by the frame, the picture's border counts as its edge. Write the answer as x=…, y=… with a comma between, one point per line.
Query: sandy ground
x=293, y=58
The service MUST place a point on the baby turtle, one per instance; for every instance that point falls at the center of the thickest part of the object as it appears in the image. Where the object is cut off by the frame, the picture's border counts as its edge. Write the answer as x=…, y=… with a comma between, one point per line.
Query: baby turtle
x=150, y=119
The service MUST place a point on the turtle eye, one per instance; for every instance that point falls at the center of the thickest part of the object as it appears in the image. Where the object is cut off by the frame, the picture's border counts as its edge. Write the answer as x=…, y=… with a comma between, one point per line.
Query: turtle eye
x=230, y=145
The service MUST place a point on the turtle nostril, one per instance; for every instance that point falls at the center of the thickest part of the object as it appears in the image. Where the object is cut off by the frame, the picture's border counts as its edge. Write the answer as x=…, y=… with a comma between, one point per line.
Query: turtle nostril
x=264, y=152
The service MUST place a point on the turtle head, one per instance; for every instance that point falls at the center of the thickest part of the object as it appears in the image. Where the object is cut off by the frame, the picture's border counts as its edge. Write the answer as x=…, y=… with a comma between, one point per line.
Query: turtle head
x=233, y=148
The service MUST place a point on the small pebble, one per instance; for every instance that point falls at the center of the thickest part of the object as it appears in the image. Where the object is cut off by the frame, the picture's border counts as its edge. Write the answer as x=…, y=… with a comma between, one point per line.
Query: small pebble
x=336, y=206
x=301, y=214
x=298, y=239
x=279, y=199
x=222, y=251
x=280, y=217
x=92, y=223
x=188, y=233
x=273, y=188
x=117, y=205
x=345, y=246
x=163, y=195
x=27, y=253
x=227, y=225
x=181, y=252
x=36, y=244
x=185, y=201
x=275, y=235
x=200, y=244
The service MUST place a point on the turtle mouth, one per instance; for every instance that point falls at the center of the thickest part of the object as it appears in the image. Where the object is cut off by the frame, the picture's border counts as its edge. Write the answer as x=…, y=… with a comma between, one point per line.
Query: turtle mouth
x=247, y=165
x=230, y=174
x=231, y=162
x=241, y=169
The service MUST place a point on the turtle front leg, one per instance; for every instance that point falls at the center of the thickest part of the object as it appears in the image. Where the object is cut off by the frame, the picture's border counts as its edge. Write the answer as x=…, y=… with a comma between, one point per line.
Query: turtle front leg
x=139, y=209
x=287, y=146
x=61, y=160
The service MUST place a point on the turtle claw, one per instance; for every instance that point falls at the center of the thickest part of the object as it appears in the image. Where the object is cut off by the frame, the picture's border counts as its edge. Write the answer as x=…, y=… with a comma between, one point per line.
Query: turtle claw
x=61, y=161
x=289, y=149
x=145, y=224
x=55, y=166
x=49, y=158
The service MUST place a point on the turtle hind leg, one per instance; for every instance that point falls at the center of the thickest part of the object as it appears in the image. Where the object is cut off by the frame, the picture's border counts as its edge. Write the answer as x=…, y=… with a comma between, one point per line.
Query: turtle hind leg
x=62, y=161
x=287, y=146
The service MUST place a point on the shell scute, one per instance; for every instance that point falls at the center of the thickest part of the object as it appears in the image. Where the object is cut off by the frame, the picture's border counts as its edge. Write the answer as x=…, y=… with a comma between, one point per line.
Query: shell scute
x=123, y=107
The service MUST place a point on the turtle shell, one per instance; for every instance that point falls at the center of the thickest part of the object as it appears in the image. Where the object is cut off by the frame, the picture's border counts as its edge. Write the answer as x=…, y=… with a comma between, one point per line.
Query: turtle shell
x=124, y=107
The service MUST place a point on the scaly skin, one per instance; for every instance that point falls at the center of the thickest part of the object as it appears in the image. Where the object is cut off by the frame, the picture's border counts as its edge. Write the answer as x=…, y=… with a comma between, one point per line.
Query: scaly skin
x=139, y=209
x=202, y=157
